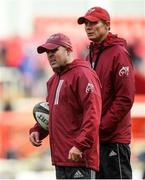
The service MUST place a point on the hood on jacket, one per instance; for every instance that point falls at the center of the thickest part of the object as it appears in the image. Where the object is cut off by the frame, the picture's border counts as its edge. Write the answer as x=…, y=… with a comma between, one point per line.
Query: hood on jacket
x=76, y=62
x=111, y=40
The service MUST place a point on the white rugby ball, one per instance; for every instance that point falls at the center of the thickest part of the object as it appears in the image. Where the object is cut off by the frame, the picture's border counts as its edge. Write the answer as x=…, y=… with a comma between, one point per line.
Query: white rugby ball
x=41, y=114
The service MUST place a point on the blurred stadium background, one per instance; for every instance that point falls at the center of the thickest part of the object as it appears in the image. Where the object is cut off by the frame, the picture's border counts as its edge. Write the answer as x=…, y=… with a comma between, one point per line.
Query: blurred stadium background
x=24, y=24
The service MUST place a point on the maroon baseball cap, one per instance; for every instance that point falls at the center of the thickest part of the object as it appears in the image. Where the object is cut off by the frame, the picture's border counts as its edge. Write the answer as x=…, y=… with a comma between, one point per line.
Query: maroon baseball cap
x=95, y=14
x=54, y=41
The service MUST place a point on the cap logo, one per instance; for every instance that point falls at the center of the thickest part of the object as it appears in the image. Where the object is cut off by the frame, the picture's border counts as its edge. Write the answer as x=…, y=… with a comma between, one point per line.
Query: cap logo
x=53, y=37
x=91, y=10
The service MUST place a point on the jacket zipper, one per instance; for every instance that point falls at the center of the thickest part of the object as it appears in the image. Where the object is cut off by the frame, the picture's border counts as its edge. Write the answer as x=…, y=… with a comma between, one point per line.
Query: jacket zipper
x=94, y=64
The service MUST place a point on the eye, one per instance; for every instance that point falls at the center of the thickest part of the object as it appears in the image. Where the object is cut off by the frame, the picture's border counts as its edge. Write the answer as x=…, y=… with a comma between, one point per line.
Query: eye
x=53, y=50
x=88, y=23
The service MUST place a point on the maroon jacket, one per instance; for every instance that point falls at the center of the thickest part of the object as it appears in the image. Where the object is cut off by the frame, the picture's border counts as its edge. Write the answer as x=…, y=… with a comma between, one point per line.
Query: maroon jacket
x=115, y=72
x=74, y=98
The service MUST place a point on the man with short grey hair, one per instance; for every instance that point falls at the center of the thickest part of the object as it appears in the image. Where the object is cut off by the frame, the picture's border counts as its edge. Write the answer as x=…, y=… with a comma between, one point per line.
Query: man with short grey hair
x=109, y=57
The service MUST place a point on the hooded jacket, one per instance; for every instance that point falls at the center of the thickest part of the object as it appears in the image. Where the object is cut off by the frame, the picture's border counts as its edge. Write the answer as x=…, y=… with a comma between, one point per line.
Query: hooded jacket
x=75, y=104
x=113, y=65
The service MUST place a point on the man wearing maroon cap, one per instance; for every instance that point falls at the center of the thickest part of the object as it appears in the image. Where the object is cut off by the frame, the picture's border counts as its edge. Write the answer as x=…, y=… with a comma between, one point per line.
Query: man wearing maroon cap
x=110, y=59
x=75, y=104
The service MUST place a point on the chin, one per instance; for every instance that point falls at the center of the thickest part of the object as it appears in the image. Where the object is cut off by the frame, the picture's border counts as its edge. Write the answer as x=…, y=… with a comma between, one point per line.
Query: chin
x=92, y=38
x=54, y=66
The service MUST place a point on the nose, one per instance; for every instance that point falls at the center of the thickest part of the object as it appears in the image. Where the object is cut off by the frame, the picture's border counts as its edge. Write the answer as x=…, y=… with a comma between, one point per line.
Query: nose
x=88, y=25
x=50, y=56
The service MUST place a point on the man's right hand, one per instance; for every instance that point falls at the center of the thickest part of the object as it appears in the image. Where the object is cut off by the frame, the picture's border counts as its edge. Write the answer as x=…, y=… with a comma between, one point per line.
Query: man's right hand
x=34, y=139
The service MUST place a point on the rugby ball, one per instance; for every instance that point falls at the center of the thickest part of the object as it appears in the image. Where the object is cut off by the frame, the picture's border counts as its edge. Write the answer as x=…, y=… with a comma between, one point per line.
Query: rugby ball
x=41, y=114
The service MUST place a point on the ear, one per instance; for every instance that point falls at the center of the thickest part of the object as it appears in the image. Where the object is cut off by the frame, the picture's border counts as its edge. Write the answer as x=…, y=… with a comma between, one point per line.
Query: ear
x=107, y=25
x=69, y=51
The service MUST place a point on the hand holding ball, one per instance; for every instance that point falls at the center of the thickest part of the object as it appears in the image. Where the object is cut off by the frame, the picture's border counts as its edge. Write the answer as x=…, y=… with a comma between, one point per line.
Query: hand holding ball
x=41, y=114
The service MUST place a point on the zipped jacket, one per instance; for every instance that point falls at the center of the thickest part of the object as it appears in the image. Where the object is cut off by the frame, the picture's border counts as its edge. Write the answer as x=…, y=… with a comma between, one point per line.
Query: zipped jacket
x=113, y=65
x=75, y=103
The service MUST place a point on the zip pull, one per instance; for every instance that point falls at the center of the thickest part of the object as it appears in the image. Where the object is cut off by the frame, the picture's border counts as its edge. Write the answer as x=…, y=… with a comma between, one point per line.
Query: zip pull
x=93, y=65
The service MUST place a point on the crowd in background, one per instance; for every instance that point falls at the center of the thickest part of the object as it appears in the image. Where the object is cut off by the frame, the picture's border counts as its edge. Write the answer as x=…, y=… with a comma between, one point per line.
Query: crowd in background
x=33, y=71
x=23, y=73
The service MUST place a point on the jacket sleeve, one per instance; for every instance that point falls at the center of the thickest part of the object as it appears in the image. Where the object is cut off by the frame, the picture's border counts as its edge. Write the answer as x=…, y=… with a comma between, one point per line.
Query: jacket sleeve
x=123, y=80
x=42, y=132
x=88, y=90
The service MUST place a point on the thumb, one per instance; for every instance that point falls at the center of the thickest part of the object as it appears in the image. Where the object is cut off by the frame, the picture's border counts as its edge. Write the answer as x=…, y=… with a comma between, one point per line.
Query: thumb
x=81, y=155
x=37, y=137
x=69, y=155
